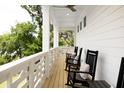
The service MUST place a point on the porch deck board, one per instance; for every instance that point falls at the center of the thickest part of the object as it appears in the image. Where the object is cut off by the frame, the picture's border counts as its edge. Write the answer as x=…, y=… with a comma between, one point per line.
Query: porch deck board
x=59, y=76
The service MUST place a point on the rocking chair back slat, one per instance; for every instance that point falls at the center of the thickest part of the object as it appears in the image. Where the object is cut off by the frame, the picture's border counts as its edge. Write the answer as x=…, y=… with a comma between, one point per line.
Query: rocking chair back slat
x=91, y=59
x=120, y=83
x=79, y=59
x=76, y=50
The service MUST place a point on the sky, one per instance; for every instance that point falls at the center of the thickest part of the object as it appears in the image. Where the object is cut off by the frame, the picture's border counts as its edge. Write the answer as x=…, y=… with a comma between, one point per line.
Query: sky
x=10, y=15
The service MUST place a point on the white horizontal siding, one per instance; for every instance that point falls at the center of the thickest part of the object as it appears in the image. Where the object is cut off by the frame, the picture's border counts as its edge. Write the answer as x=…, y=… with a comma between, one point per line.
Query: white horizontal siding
x=104, y=32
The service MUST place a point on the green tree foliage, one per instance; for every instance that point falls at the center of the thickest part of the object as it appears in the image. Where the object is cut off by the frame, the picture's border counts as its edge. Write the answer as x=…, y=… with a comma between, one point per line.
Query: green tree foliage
x=24, y=34
x=21, y=42
x=36, y=15
x=4, y=55
x=26, y=38
x=66, y=38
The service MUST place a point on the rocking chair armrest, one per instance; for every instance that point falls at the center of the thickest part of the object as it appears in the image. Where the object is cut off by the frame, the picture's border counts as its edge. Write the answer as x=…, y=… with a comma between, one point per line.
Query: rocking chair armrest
x=77, y=71
x=69, y=54
x=72, y=59
x=72, y=64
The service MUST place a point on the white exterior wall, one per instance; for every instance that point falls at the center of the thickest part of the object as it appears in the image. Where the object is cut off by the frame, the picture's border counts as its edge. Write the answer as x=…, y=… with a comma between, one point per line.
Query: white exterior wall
x=104, y=32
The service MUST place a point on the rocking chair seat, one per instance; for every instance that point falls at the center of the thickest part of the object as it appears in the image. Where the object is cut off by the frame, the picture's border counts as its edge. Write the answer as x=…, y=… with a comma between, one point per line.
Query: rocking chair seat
x=77, y=79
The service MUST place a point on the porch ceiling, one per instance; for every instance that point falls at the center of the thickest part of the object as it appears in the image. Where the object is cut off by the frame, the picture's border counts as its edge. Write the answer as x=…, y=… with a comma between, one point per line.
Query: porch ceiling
x=64, y=17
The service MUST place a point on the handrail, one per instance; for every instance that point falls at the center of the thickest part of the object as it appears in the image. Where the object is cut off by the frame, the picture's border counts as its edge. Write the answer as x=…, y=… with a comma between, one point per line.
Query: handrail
x=29, y=71
x=16, y=62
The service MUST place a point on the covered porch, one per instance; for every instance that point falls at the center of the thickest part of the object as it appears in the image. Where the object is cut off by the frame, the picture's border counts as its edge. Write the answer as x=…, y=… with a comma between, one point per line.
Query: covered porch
x=96, y=27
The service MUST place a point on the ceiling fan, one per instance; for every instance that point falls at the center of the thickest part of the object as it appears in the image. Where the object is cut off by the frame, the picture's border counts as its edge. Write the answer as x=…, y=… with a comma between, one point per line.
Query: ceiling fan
x=71, y=7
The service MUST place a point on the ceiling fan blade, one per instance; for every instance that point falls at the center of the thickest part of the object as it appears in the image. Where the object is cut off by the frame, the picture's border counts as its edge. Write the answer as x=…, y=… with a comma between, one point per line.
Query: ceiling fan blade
x=71, y=7
x=57, y=6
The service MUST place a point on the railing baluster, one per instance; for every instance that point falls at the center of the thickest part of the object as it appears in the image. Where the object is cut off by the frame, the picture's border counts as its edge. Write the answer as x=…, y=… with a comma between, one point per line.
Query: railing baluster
x=9, y=81
x=33, y=66
x=31, y=71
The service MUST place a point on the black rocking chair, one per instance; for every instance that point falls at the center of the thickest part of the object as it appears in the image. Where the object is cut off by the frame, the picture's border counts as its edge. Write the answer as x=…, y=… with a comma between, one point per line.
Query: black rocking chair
x=74, y=77
x=69, y=55
x=104, y=84
x=76, y=62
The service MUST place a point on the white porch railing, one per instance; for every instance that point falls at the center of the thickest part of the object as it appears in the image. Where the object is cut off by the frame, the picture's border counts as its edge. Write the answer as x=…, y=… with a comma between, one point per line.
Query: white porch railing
x=30, y=71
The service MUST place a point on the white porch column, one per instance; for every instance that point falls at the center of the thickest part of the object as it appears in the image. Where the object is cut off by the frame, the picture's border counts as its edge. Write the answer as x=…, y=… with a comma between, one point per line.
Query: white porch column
x=46, y=28
x=56, y=36
x=75, y=33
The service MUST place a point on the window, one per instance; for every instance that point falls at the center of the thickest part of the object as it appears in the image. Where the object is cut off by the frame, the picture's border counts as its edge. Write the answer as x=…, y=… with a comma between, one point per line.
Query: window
x=81, y=25
x=85, y=21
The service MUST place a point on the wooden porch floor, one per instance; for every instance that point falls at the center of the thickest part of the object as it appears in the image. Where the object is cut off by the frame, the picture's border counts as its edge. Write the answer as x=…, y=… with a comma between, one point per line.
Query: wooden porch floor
x=58, y=78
